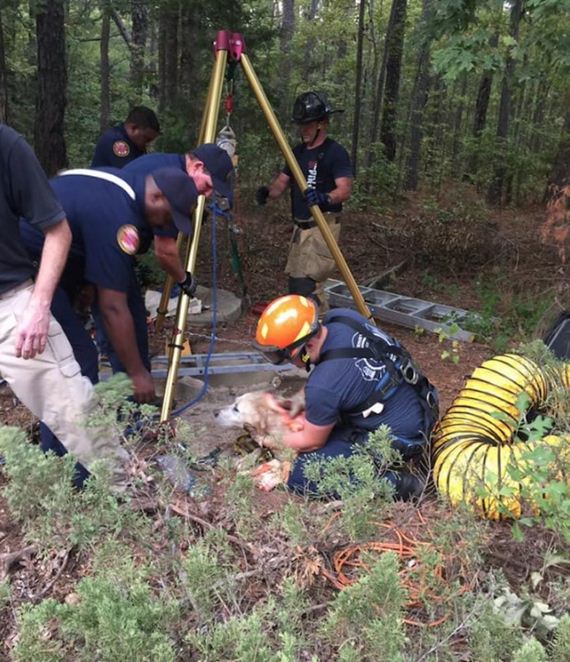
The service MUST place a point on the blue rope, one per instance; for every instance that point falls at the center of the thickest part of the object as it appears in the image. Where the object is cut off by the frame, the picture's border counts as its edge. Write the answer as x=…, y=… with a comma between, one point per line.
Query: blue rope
x=216, y=211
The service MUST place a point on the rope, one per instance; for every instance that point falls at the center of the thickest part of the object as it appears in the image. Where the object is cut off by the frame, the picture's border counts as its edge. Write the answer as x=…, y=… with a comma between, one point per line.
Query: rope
x=216, y=211
x=415, y=578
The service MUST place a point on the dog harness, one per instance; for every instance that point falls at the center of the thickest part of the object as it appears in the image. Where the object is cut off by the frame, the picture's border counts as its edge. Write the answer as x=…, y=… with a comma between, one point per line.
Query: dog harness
x=400, y=368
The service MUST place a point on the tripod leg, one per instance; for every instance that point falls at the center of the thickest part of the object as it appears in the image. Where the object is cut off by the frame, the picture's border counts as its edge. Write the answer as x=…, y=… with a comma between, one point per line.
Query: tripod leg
x=302, y=184
x=207, y=135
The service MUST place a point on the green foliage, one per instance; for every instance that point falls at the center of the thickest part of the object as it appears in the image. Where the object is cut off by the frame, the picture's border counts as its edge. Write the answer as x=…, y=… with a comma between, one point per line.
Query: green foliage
x=54, y=510
x=491, y=639
x=357, y=481
x=366, y=617
x=4, y=593
x=531, y=651
x=560, y=650
x=115, y=616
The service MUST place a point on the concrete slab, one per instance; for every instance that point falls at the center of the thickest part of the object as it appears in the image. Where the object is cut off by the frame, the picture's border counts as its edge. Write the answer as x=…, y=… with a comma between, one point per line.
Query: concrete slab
x=200, y=309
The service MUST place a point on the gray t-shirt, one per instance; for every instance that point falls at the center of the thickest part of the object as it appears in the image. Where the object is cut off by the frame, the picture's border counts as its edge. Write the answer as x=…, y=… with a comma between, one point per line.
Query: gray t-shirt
x=24, y=192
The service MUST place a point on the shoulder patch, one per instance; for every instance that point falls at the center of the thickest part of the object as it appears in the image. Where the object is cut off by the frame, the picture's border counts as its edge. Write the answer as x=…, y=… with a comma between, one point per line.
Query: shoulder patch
x=128, y=239
x=121, y=148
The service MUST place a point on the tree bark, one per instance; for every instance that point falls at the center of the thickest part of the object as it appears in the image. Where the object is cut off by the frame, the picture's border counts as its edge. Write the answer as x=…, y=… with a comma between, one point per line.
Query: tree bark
x=105, y=69
x=418, y=102
x=3, y=77
x=495, y=192
x=358, y=86
x=285, y=37
x=394, y=53
x=139, y=15
x=169, y=56
x=52, y=82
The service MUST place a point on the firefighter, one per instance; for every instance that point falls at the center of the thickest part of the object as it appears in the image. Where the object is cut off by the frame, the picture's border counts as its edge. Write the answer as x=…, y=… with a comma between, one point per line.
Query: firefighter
x=327, y=169
x=360, y=378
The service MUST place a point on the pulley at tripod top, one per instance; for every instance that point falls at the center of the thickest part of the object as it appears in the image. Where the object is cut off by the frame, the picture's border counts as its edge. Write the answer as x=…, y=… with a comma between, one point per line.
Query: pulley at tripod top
x=226, y=140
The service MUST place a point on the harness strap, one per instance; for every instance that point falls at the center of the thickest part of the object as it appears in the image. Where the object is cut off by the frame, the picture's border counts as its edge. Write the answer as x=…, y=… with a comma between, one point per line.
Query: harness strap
x=383, y=351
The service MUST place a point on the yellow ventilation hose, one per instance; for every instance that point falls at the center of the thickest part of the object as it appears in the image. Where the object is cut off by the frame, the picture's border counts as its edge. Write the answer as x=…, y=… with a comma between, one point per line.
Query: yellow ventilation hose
x=475, y=442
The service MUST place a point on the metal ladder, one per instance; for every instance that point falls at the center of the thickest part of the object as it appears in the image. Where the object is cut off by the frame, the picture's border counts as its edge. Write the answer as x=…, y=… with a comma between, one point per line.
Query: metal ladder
x=221, y=363
x=406, y=311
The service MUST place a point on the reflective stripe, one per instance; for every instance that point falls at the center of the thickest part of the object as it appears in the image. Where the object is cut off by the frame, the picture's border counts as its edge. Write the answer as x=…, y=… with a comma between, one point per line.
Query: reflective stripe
x=121, y=183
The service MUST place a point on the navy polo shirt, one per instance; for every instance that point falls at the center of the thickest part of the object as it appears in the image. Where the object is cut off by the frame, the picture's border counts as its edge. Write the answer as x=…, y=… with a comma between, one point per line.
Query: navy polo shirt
x=146, y=165
x=339, y=385
x=115, y=149
x=99, y=213
x=321, y=166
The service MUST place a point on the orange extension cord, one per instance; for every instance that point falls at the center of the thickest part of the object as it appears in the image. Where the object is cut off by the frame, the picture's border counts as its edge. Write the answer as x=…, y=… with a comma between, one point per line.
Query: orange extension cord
x=406, y=548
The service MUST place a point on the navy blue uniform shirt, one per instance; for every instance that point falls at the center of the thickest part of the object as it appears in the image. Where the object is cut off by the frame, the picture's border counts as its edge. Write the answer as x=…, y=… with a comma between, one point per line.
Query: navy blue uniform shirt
x=115, y=149
x=146, y=165
x=338, y=385
x=321, y=166
x=105, y=219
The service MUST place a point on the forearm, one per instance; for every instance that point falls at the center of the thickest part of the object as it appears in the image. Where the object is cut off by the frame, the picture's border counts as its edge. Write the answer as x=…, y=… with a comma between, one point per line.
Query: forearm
x=278, y=186
x=168, y=257
x=54, y=255
x=120, y=328
x=301, y=441
x=342, y=191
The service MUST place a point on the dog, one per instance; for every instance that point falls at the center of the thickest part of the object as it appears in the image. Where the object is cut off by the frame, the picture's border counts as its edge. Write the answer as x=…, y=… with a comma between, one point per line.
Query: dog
x=267, y=418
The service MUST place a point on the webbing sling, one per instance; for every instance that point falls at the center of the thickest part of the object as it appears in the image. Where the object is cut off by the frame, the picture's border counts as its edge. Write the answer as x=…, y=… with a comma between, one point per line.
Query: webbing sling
x=381, y=351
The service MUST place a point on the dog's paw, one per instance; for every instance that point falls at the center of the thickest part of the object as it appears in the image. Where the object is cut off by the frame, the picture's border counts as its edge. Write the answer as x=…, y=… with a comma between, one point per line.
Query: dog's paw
x=270, y=474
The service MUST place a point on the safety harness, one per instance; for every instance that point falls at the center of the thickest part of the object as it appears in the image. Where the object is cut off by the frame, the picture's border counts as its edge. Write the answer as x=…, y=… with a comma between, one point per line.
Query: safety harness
x=399, y=368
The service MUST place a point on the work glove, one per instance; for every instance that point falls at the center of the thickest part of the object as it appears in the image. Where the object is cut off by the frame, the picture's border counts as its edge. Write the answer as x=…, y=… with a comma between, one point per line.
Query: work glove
x=261, y=195
x=314, y=197
x=188, y=285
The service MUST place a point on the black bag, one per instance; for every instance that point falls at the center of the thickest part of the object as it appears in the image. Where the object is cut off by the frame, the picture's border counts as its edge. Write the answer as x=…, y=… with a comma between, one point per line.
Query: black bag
x=557, y=338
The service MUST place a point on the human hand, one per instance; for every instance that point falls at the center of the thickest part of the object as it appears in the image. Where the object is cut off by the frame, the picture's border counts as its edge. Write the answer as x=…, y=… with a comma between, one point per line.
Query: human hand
x=261, y=195
x=143, y=387
x=32, y=331
x=314, y=197
x=189, y=285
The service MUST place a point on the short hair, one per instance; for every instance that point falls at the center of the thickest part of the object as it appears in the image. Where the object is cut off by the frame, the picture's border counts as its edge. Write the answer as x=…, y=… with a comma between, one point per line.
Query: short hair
x=143, y=117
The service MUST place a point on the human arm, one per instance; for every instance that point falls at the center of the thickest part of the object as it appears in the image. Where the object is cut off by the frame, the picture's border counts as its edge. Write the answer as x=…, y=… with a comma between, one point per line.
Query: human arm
x=31, y=334
x=310, y=438
x=120, y=326
x=274, y=190
x=166, y=252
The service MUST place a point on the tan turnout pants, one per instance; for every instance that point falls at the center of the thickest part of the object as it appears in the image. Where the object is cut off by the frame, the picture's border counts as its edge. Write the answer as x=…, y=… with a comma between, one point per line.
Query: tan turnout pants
x=51, y=386
x=309, y=256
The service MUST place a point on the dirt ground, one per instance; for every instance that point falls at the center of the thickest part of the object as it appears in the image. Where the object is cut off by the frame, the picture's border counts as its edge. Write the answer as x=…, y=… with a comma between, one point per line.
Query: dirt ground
x=510, y=250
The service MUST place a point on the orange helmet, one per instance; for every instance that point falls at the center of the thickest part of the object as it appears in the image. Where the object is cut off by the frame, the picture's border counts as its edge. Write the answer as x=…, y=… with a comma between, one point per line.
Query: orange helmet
x=287, y=322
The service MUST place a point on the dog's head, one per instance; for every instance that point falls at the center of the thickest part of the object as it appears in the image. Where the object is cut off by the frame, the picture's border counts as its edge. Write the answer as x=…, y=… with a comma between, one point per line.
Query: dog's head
x=248, y=410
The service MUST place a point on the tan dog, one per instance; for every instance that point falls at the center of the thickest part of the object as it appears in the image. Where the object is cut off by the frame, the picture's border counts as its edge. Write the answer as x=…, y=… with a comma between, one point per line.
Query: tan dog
x=266, y=417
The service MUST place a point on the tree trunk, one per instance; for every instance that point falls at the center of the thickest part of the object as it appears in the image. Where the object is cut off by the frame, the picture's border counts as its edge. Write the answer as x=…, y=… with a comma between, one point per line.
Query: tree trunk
x=3, y=77
x=52, y=82
x=358, y=86
x=105, y=110
x=495, y=192
x=139, y=15
x=560, y=174
x=457, y=124
x=418, y=102
x=394, y=53
x=170, y=44
x=187, y=99
x=285, y=37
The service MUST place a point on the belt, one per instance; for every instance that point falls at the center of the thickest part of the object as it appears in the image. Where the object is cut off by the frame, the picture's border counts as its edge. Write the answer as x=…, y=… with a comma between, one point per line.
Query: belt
x=306, y=225
x=16, y=288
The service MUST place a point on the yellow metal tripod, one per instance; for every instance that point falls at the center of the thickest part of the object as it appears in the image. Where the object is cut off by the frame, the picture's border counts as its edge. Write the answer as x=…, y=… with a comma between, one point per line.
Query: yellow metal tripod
x=231, y=45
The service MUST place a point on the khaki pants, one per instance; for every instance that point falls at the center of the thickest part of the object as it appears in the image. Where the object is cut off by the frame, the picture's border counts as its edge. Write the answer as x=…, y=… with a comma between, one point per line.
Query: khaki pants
x=309, y=256
x=51, y=386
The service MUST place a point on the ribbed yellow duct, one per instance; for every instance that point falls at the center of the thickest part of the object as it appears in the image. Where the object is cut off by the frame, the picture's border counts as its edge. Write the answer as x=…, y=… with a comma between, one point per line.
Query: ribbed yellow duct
x=475, y=443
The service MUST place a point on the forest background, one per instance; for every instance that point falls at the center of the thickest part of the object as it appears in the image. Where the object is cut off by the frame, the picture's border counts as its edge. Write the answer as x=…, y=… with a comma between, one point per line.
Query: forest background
x=457, y=118
x=432, y=91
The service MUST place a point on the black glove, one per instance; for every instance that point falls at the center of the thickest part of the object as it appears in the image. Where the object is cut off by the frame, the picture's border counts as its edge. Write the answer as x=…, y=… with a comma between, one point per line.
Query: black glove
x=261, y=195
x=188, y=285
x=314, y=197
